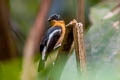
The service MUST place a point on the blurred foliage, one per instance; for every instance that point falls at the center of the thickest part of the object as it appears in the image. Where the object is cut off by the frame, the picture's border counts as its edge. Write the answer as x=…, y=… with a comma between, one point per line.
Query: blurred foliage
x=102, y=39
x=23, y=13
x=103, y=43
x=10, y=70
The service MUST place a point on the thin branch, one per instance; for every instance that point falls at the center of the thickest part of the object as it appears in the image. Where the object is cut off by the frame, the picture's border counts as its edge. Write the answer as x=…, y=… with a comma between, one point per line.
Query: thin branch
x=81, y=11
x=78, y=37
x=79, y=47
x=33, y=41
x=114, y=11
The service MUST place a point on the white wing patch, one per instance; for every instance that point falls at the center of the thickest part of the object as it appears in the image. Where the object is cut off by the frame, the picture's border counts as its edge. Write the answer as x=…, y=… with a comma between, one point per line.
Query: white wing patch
x=43, y=53
x=49, y=39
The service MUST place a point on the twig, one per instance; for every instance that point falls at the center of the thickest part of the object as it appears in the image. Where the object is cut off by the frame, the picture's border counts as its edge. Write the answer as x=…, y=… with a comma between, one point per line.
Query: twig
x=114, y=11
x=81, y=11
x=63, y=53
x=33, y=41
x=79, y=47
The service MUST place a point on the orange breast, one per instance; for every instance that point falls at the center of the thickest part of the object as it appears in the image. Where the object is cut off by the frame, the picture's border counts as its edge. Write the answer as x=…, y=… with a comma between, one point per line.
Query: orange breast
x=62, y=25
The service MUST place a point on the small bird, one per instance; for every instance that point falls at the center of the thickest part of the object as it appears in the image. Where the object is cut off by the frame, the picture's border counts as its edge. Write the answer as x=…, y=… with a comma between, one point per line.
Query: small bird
x=52, y=38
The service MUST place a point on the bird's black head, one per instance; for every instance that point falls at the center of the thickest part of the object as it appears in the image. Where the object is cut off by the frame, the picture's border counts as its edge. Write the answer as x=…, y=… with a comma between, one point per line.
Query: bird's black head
x=55, y=17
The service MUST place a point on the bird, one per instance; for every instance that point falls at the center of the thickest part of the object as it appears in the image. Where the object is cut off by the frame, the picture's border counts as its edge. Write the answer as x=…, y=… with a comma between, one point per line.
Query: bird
x=52, y=38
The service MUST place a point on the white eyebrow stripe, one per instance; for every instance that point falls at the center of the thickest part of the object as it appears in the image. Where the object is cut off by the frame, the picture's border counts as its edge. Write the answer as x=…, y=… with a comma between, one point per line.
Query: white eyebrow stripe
x=55, y=31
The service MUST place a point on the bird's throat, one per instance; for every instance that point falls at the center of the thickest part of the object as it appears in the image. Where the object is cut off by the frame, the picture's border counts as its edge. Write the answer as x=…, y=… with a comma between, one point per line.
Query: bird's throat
x=57, y=23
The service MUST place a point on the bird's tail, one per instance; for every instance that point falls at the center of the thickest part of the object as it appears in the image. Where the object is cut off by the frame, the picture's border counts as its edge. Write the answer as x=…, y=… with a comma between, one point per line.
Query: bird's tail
x=42, y=60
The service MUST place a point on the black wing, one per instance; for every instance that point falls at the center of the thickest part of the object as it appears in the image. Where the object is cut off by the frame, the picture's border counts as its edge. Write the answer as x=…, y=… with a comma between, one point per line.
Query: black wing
x=50, y=39
x=48, y=43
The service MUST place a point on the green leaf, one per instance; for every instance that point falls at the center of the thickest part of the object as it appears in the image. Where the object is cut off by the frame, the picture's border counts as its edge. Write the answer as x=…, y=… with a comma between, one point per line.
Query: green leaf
x=10, y=70
x=102, y=43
